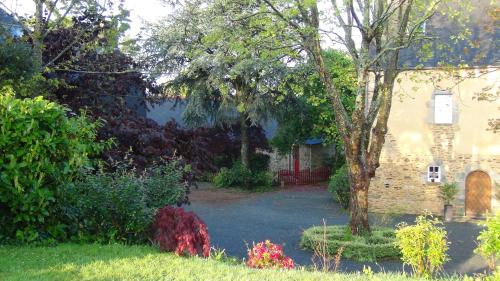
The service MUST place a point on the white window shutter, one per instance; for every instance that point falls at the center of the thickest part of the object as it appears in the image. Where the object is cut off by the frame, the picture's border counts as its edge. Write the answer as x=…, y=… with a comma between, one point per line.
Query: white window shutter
x=434, y=174
x=443, y=109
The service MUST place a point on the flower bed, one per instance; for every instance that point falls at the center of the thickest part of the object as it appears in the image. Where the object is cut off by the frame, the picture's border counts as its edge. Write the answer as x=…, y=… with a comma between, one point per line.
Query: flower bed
x=379, y=245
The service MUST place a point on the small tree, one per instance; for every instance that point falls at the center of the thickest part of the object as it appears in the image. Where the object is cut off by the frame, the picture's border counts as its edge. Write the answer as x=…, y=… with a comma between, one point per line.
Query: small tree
x=423, y=245
x=448, y=192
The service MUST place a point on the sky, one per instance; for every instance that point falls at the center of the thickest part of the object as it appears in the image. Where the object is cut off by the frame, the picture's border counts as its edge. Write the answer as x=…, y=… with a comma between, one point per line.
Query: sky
x=144, y=11
x=141, y=11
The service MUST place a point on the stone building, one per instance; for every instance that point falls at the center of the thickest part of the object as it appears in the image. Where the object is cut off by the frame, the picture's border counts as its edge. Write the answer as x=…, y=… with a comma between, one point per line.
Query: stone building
x=444, y=128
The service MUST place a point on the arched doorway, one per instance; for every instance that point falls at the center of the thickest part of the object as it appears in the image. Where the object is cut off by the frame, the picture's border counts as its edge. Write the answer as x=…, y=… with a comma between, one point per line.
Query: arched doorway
x=477, y=194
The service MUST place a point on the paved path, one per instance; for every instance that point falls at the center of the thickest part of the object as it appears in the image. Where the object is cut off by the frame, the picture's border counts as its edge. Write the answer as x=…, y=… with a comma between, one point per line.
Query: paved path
x=235, y=219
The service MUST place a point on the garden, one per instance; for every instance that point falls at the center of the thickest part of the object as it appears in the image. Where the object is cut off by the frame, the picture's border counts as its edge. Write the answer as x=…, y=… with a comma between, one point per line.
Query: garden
x=91, y=188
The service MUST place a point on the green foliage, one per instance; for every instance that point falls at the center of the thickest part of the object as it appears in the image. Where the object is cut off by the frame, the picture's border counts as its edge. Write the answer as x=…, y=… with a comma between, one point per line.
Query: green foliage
x=448, y=192
x=259, y=162
x=423, y=245
x=121, y=262
x=339, y=187
x=489, y=241
x=41, y=149
x=222, y=66
x=379, y=245
x=20, y=72
x=16, y=61
x=305, y=109
x=240, y=176
x=119, y=206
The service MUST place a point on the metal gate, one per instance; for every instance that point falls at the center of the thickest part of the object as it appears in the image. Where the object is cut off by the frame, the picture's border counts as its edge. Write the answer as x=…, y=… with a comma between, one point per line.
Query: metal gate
x=289, y=177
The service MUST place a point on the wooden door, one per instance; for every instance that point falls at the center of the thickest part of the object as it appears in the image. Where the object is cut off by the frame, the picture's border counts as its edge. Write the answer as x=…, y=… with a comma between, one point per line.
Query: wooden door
x=477, y=194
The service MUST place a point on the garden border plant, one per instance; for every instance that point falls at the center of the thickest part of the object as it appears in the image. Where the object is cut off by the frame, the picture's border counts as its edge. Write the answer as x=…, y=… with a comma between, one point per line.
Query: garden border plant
x=379, y=245
x=120, y=206
x=240, y=176
x=41, y=148
x=339, y=187
x=423, y=245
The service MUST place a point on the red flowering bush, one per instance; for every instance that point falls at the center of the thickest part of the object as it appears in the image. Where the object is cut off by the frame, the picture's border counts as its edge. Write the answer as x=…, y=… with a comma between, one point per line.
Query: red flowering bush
x=181, y=231
x=268, y=255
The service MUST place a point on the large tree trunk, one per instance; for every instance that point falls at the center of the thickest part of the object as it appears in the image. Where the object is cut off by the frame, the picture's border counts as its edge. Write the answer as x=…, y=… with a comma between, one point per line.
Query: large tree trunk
x=358, y=202
x=245, y=141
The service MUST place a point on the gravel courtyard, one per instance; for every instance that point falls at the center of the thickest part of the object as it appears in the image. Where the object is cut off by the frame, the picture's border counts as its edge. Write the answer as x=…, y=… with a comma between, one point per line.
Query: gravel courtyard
x=237, y=219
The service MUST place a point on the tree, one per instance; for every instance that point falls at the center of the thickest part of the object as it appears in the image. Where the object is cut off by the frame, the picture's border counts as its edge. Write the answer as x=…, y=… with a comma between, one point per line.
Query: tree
x=221, y=60
x=385, y=27
x=52, y=15
x=304, y=110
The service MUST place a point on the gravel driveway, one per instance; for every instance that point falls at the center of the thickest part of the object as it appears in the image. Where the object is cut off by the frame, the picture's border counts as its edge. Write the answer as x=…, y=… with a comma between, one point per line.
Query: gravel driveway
x=237, y=219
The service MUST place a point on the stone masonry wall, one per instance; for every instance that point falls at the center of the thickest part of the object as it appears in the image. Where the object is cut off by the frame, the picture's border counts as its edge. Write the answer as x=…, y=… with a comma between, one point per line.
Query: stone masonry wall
x=400, y=184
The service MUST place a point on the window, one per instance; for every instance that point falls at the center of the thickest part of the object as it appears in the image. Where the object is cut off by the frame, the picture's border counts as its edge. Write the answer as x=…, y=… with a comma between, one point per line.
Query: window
x=443, y=109
x=434, y=174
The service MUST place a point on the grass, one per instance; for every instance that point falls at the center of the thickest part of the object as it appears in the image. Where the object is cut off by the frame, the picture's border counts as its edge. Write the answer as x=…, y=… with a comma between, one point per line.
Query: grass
x=118, y=262
x=379, y=245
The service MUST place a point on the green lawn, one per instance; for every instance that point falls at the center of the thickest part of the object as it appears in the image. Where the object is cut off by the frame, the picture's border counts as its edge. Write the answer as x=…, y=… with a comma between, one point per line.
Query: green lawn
x=117, y=262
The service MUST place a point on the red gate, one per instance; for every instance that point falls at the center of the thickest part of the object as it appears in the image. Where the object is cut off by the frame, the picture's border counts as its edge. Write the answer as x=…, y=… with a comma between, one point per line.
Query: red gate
x=303, y=177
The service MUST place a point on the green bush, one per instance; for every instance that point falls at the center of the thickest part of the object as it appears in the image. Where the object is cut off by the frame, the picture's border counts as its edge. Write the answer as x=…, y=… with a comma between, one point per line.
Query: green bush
x=379, y=245
x=423, y=245
x=448, y=192
x=339, y=187
x=259, y=162
x=489, y=241
x=240, y=176
x=223, y=178
x=119, y=206
x=41, y=149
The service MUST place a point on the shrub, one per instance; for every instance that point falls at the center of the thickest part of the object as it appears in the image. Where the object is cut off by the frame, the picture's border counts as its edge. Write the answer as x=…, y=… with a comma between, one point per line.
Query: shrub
x=339, y=187
x=223, y=178
x=489, y=241
x=448, y=192
x=182, y=232
x=259, y=162
x=379, y=245
x=423, y=245
x=41, y=148
x=240, y=176
x=268, y=255
x=120, y=206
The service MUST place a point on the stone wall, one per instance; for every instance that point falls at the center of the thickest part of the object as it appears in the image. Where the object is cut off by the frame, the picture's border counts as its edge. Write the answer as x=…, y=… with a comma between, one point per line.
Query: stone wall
x=414, y=140
x=401, y=186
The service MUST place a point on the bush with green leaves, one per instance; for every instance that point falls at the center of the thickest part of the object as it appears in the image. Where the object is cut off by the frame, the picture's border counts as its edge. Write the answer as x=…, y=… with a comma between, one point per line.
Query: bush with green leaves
x=489, y=241
x=423, y=245
x=448, y=192
x=339, y=187
x=259, y=162
x=120, y=206
x=41, y=148
x=379, y=245
x=240, y=176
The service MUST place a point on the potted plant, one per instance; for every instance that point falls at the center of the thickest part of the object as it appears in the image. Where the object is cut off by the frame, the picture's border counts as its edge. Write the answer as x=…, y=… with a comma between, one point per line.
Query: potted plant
x=448, y=193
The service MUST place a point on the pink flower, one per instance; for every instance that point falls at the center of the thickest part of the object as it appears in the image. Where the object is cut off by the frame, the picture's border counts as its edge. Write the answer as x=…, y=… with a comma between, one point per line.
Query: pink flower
x=268, y=255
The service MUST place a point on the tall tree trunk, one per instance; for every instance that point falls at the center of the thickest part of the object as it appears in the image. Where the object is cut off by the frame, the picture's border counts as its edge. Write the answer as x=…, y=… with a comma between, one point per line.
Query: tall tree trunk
x=358, y=202
x=37, y=36
x=245, y=141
